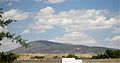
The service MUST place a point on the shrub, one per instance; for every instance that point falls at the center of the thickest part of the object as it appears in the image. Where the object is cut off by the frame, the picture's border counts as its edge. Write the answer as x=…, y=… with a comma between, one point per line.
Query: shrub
x=7, y=57
x=108, y=54
x=37, y=57
x=70, y=56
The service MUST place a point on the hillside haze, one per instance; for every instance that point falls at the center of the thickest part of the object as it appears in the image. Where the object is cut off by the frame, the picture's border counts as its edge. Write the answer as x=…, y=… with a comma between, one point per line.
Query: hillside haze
x=48, y=47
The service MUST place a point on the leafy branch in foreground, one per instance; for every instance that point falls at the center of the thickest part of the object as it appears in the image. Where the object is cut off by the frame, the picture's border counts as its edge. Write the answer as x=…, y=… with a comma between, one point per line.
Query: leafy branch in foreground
x=13, y=38
x=4, y=23
x=8, y=57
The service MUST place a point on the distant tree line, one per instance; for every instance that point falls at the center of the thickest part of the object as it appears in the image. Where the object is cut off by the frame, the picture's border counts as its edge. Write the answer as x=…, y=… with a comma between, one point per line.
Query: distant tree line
x=108, y=54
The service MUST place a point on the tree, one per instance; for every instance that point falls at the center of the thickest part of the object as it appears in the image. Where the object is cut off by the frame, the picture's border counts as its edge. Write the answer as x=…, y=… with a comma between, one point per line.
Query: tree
x=108, y=54
x=7, y=57
x=4, y=23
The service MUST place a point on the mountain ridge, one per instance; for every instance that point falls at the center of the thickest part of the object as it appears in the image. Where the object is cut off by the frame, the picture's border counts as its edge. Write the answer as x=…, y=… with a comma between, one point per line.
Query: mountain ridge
x=49, y=47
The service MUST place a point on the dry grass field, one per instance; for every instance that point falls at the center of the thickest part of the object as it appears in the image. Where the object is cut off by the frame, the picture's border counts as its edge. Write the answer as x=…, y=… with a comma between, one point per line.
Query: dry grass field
x=29, y=56
x=49, y=58
x=60, y=61
x=101, y=61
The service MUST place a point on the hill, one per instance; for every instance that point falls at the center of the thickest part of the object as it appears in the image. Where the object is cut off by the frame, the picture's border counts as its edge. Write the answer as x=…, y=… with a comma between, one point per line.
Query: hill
x=48, y=47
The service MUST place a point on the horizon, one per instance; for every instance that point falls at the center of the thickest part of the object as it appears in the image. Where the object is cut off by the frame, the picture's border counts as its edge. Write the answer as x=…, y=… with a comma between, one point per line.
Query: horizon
x=80, y=22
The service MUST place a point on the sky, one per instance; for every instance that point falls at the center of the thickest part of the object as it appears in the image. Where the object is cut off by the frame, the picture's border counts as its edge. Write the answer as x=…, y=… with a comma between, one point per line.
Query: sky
x=78, y=22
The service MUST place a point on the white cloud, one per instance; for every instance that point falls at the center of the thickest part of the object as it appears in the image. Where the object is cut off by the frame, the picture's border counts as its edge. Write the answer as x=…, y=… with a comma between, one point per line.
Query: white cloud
x=73, y=20
x=8, y=1
x=113, y=42
x=56, y=1
x=76, y=38
x=116, y=28
x=46, y=12
x=9, y=4
x=15, y=14
x=40, y=27
x=52, y=1
x=26, y=31
x=7, y=45
x=116, y=39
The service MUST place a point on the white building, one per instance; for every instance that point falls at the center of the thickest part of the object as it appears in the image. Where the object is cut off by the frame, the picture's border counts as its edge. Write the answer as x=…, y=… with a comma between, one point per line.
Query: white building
x=71, y=60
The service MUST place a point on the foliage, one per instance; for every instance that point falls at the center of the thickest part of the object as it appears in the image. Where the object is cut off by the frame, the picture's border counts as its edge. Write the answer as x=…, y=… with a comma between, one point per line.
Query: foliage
x=55, y=57
x=4, y=56
x=108, y=54
x=7, y=57
x=71, y=56
x=4, y=23
x=37, y=57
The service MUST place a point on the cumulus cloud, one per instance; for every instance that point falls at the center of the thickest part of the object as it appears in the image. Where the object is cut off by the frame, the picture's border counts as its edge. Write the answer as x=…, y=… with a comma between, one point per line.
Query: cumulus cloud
x=52, y=1
x=15, y=14
x=26, y=31
x=76, y=38
x=42, y=24
x=113, y=42
x=9, y=4
x=47, y=10
x=116, y=28
x=1, y=1
x=73, y=20
x=116, y=39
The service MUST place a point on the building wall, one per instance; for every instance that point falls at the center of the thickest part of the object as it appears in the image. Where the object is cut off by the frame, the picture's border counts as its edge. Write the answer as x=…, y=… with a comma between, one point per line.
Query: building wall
x=71, y=60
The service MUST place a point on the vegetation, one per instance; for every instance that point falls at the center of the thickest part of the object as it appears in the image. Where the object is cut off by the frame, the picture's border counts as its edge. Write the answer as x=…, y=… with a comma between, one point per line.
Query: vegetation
x=70, y=56
x=4, y=56
x=108, y=54
x=55, y=57
x=4, y=23
x=7, y=57
x=37, y=57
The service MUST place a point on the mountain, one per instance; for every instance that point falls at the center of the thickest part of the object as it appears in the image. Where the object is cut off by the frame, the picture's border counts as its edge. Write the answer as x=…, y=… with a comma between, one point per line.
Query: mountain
x=48, y=47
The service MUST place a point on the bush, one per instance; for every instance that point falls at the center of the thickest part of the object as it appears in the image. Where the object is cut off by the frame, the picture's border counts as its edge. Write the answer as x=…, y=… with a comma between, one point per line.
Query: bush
x=70, y=56
x=108, y=54
x=55, y=57
x=7, y=57
x=37, y=57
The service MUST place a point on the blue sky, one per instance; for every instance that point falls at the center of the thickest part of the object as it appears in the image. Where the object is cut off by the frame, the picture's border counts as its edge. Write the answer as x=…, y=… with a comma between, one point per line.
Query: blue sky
x=83, y=22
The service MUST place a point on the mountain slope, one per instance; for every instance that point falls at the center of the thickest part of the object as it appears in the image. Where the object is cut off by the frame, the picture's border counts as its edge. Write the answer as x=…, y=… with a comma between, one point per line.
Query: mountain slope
x=48, y=47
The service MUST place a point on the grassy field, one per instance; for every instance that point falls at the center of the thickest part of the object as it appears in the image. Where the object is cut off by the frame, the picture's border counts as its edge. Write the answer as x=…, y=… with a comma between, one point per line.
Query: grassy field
x=101, y=61
x=60, y=61
x=51, y=58
x=30, y=56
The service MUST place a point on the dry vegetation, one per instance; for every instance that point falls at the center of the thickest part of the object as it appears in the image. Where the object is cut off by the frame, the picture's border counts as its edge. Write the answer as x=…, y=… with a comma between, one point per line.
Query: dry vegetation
x=56, y=58
x=31, y=56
